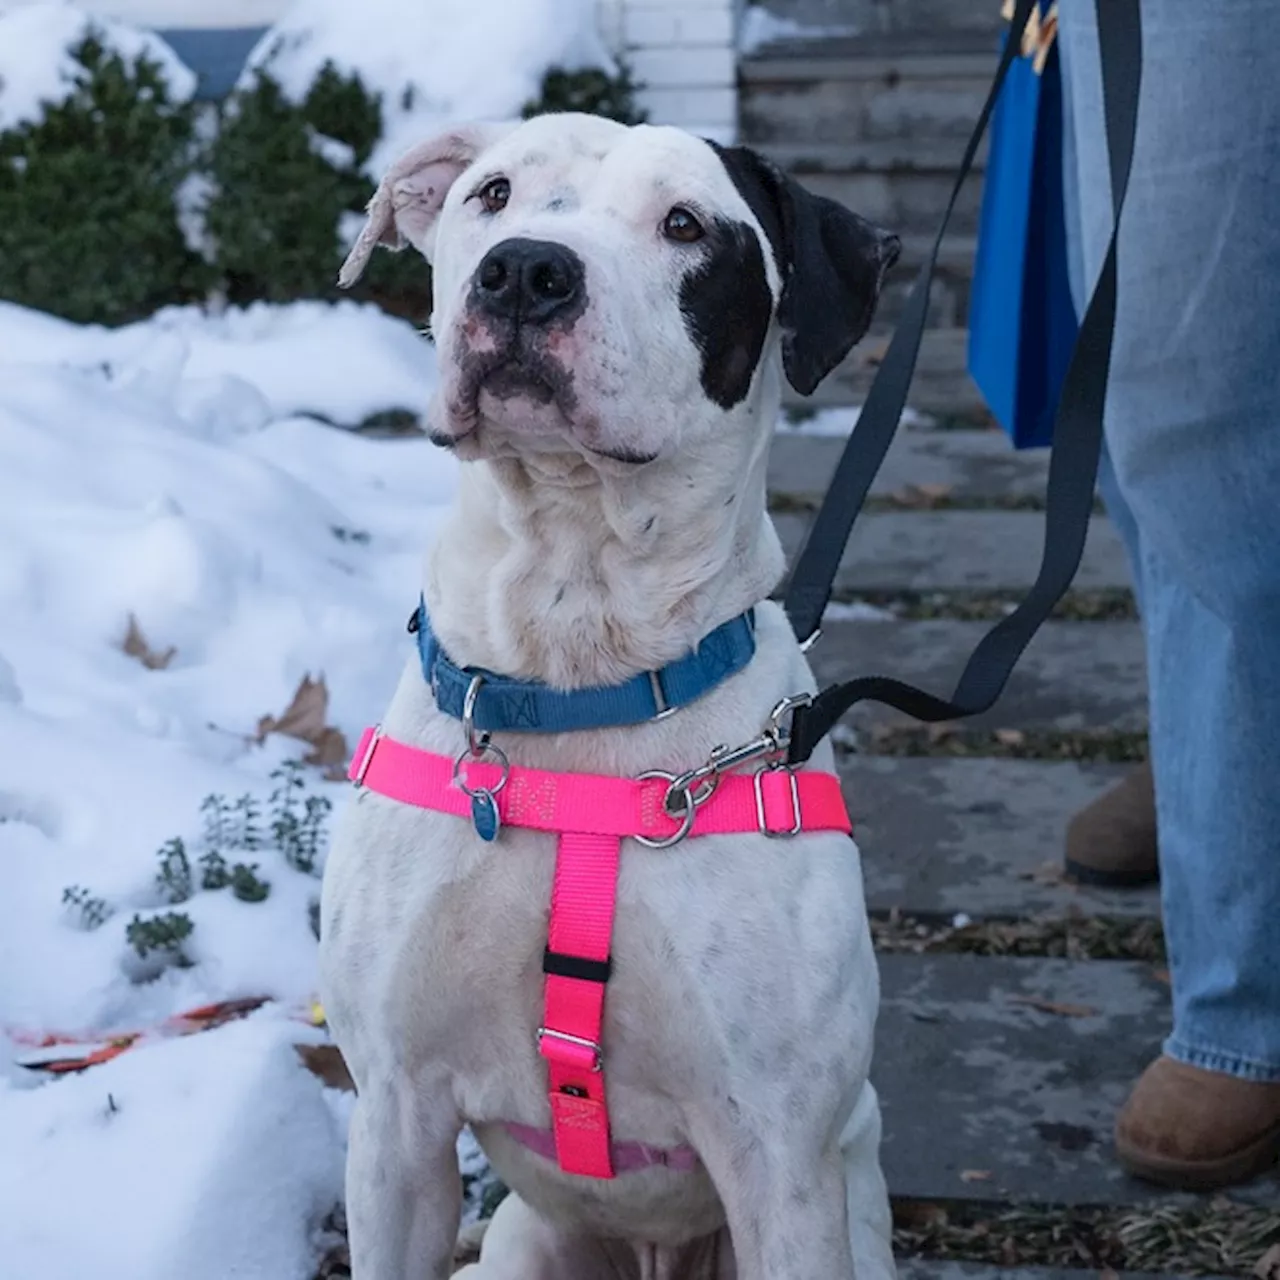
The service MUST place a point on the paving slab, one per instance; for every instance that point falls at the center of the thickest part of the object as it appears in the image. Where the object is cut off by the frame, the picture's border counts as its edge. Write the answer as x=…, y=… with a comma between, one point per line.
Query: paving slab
x=928, y=1269
x=1073, y=675
x=942, y=384
x=973, y=466
x=979, y=836
x=957, y=550
x=977, y=1073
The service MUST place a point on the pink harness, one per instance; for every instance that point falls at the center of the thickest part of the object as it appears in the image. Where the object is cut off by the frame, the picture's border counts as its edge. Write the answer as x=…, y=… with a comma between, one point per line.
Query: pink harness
x=592, y=814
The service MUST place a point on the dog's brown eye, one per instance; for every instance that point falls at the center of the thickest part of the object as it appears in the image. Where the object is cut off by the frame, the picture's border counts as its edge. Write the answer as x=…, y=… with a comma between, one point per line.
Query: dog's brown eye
x=494, y=195
x=682, y=226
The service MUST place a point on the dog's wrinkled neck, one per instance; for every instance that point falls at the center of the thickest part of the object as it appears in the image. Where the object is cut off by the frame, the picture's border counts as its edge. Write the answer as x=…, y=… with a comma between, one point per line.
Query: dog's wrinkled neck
x=581, y=576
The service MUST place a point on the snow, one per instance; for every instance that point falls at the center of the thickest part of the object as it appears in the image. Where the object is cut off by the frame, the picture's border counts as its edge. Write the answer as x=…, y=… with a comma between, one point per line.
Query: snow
x=836, y=422
x=164, y=471
x=761, y=27
x=36, y=66
x=343, y=362
x=206, y=1157
x=435, y=62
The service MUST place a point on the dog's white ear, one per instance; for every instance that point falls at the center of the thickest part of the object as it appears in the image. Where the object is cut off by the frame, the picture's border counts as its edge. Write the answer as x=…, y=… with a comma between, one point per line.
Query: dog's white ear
x=407, y=203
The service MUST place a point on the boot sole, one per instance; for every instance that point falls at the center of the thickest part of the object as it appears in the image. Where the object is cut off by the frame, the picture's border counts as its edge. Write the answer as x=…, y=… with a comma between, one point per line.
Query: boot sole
x=1084, y=874
x=1258, y=1157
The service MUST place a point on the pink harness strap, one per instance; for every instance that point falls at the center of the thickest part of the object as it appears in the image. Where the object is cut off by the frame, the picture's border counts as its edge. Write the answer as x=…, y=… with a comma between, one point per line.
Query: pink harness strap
x=592, y=814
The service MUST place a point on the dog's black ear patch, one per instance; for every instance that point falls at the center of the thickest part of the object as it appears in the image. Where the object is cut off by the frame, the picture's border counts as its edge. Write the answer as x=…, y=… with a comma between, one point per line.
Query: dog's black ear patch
x=727, y=306
x=832, y=264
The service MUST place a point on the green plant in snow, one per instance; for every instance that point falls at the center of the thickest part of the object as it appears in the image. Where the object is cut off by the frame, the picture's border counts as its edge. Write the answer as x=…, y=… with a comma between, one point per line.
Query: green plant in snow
x=164, y=934
x=246, y=885
x=89, y=912
x=173, y=879
x=214, y=872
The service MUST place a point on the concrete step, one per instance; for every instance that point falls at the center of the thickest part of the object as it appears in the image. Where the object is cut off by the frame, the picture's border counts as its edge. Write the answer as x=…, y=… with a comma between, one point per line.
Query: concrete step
x=941, y=836
x=903, y=186
x=957, y=550
x=941, y=386
x=1073, y=677
x=972, y=466
x=915, y=24
x=952, y=281
x=815, y=96
x=1013, y=1070
x=931, y=1269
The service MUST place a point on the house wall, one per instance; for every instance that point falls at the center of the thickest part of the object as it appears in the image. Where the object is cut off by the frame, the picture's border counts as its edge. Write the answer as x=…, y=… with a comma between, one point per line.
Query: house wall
x=683, y=51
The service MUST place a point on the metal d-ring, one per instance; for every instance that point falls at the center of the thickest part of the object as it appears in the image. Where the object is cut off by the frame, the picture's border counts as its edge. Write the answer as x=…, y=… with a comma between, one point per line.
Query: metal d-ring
x=690, y=810
x=467, y=755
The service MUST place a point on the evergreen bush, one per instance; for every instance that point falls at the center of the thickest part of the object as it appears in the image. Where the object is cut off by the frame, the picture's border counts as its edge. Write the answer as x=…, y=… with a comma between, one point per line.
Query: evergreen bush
x=283, y=175
x=89, y=226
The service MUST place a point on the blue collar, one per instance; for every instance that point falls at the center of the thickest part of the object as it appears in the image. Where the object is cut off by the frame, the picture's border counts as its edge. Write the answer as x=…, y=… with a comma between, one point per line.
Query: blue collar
x=531, y=707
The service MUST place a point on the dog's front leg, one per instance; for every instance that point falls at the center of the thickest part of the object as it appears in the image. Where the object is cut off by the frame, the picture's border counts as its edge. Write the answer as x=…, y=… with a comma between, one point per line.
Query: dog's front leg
x=785, y=1204
x=404, y=1192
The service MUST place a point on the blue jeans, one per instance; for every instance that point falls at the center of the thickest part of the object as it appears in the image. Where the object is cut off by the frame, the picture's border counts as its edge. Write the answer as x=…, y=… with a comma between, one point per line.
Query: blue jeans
x=1192, y=481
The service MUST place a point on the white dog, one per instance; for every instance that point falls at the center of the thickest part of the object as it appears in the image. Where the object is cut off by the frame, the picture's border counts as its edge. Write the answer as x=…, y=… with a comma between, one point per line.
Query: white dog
x=610, y=307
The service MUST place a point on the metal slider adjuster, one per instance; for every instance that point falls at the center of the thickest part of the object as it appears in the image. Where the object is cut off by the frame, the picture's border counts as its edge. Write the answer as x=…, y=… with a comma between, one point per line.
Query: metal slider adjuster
x=757, y=782
x=548, y=1033
x=665, y=709
x=365, y=760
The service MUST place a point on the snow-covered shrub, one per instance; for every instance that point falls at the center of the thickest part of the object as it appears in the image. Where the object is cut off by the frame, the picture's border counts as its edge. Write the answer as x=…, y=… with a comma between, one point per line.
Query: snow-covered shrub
x=434, y=63
x=594, y=90
x=95, y=143
x=283, y=176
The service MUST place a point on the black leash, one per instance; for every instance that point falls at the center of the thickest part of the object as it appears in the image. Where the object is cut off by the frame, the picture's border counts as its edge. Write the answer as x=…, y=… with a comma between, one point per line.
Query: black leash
x=1077, y=433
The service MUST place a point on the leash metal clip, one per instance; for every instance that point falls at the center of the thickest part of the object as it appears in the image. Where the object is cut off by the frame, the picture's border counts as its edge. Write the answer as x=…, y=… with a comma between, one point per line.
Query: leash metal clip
x=688, y=792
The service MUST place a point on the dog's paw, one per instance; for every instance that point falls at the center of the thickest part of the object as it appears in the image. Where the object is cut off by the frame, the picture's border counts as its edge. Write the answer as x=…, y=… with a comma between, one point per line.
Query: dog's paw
x=466, y=1252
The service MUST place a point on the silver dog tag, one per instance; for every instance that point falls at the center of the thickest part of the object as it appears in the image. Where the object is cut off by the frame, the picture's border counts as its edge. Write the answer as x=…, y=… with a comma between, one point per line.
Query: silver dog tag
x=484, y=815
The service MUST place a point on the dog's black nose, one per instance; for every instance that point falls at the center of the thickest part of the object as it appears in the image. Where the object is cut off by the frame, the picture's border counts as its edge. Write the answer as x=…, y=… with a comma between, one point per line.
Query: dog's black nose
x=533, y=280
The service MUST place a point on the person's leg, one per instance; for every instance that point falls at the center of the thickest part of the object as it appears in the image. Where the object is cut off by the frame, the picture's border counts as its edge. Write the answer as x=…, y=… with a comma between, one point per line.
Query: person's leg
x=1112, y=840
x=1192, y=434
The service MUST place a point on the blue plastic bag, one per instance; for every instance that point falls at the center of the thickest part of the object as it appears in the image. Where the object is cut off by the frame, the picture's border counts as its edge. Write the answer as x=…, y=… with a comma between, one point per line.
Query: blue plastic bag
x=1022, y=322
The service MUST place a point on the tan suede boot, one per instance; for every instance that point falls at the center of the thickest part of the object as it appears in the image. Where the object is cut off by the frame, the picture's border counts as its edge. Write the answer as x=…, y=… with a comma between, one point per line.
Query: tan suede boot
x=1112, y=842
x=1196, y=1130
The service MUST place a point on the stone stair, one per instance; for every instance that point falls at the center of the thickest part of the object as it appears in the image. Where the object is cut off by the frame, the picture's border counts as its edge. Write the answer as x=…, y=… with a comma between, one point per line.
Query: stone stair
x=878, y=120
x=1017, y=1008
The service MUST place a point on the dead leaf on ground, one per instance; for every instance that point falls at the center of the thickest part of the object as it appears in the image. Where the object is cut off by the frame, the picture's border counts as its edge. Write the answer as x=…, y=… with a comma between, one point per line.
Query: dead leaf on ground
x=875, y=353
x=1010, y=737
x=1060, y=1008
x=136, y=646
x=304, y=719
x=918, y=1215
x=1268, y=1266
x=1162, y=975
x=975, y=1175
x=922, y=496
x=326, y=1063
x=1047, y=873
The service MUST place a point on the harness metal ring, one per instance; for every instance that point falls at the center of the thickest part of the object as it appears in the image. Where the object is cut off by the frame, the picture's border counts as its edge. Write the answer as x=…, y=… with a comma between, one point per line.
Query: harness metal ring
x=690, y=811
x=467, y=755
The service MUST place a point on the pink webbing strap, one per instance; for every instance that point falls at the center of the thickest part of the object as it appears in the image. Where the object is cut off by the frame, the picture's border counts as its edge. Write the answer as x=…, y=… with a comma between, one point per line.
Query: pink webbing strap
x=583, y=897
x=596, y=804
x=591, y=814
